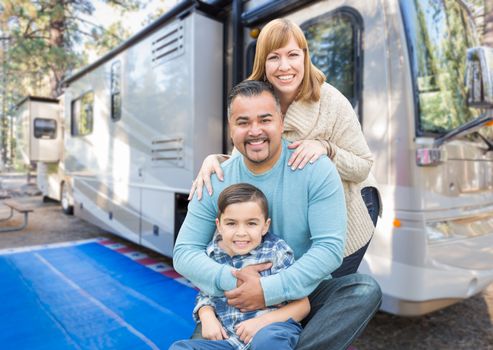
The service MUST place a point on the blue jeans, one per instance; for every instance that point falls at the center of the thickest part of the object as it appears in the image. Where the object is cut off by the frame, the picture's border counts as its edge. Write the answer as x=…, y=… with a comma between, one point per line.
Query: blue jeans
x=351, y=262
x=280, y=335
x=340, y=310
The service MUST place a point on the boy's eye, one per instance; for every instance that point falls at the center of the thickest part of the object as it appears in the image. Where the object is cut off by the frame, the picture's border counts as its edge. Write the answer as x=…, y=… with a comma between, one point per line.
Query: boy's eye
x=230, y=224
x=252, y=223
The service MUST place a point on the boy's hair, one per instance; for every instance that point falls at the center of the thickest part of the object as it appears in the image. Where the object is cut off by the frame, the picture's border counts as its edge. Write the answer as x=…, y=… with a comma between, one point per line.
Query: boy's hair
x=241, y=193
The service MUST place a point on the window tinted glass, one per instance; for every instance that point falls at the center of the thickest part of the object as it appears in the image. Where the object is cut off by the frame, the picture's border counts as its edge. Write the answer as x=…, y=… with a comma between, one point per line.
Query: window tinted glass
x=333, y=41
x=116, y=99
x=44, y=128
x=439, y=34
x=82, y=115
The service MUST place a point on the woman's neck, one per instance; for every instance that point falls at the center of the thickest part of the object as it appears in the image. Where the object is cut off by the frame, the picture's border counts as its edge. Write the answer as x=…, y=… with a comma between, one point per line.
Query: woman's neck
x=285, y=102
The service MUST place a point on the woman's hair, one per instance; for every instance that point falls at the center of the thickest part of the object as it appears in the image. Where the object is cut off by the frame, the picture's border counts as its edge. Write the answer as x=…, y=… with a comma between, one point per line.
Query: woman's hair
x=275, y=35
x=241, y=193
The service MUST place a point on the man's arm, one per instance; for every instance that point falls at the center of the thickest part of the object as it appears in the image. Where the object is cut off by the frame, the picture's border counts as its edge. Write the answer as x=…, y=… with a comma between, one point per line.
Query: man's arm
x=327, y=220
x=189, y=255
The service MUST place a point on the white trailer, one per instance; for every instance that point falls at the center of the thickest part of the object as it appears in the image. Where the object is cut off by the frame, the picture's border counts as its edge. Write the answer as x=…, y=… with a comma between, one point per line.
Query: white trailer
x=140, y=120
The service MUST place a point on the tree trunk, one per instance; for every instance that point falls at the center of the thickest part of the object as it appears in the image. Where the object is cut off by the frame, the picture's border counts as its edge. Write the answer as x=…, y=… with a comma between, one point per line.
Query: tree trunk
x=56, y=43
x=488, y=19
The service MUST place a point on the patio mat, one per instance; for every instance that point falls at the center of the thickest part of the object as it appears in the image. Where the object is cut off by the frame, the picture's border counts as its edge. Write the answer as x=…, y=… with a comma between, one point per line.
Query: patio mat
x=90, y=296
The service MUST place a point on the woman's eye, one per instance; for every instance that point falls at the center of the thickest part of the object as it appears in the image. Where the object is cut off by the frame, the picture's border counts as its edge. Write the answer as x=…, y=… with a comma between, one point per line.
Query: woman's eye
x=272, y=58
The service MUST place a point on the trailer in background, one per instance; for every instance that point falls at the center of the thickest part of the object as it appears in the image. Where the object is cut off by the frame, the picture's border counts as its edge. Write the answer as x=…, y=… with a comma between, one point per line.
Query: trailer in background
x=140, y=120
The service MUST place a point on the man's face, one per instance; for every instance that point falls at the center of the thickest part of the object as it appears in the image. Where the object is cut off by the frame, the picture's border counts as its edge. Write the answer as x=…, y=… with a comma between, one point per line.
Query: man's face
x=256, y=127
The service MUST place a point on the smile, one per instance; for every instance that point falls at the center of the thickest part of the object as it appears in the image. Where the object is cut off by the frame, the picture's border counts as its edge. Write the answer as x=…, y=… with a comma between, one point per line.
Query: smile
x=241, y=244
x=285, y=77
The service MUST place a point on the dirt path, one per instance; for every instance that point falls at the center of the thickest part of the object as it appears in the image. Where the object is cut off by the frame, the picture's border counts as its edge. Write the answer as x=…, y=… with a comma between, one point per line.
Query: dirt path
x=467, y=325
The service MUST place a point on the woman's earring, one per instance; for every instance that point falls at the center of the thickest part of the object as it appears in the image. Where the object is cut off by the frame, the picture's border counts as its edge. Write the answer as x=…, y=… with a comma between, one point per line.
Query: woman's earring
x=265, y=77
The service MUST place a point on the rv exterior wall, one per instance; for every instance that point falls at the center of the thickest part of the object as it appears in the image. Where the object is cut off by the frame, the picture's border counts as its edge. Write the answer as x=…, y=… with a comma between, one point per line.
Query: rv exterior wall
x=126, y=172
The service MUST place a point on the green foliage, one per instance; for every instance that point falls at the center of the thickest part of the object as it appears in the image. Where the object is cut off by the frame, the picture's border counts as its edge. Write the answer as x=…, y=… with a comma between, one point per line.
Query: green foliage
x=40, y=45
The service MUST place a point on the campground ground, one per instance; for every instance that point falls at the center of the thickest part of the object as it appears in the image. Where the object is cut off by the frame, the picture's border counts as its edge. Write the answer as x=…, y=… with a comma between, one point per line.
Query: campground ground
x=466, y=325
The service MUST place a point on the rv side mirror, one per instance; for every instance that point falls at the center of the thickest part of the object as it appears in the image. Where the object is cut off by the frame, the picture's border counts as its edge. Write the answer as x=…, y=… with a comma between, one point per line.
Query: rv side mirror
x=479, y=77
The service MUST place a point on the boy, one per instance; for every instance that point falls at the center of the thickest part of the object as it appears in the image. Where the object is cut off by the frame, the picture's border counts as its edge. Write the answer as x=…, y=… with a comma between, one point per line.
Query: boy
x=242, y=240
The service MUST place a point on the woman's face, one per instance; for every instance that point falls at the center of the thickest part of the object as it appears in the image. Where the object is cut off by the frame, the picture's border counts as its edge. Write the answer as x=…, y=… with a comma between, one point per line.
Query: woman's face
x=284, y=69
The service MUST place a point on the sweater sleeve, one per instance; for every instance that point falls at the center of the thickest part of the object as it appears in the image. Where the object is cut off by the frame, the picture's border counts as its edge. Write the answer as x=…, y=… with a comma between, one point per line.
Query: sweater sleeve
x=189, y=255
x=327, y=221
x=353, y=157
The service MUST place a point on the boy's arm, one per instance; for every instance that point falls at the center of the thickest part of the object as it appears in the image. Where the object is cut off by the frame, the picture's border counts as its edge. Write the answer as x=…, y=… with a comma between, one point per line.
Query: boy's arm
x=212, y=328
x=297, y=310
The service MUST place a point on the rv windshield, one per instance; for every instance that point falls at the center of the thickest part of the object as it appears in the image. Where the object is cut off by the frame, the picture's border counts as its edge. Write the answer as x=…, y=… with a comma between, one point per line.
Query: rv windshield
x=439, y=33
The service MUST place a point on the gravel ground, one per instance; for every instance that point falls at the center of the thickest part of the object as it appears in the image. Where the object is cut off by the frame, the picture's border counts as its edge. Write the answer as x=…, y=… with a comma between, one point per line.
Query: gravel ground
x=466, y=325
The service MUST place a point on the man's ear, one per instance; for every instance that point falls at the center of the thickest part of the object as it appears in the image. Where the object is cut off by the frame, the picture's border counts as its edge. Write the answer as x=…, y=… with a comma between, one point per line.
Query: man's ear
x=266, y=226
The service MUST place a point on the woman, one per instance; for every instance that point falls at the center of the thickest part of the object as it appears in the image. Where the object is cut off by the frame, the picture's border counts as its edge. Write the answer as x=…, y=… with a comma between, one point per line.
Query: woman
x=319, y=120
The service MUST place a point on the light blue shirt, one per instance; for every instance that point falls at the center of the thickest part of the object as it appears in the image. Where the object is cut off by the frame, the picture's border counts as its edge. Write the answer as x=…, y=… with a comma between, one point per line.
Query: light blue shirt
x=307, y=209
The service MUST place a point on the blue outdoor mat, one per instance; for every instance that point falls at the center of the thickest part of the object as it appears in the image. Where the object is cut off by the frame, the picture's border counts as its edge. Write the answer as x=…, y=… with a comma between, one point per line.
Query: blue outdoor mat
x=88, y=296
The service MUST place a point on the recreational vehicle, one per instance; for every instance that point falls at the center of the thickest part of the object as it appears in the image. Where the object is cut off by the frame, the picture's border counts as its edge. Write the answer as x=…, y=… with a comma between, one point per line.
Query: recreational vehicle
x=139, y=121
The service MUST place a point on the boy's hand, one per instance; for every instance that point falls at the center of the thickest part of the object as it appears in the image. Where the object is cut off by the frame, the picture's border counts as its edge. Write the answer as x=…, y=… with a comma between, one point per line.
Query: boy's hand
x=213, y=330
x=246, y=330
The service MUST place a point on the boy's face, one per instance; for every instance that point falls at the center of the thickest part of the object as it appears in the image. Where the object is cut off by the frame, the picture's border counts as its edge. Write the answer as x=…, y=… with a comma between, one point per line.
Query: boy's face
x=241, y=226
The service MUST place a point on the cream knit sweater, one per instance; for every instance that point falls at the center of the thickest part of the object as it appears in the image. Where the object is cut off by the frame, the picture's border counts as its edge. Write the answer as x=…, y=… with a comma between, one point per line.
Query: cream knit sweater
x=333, y=119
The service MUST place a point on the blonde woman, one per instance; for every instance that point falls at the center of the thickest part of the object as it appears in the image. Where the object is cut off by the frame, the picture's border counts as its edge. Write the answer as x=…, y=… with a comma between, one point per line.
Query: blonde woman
x=319, y=120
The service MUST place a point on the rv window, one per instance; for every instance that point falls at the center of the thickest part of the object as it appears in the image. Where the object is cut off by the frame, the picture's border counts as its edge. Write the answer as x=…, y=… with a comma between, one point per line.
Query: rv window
x=116, y=96
x=439, y=33
x=82, y=114
x=44, y=128
x=334, y=41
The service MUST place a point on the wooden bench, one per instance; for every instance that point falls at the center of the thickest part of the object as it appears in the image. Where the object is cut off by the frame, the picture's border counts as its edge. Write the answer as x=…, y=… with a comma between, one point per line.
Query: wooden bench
x=19, y=207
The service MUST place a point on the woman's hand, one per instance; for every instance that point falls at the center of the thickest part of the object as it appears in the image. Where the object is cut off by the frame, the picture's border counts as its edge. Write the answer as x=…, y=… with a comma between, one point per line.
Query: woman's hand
x=306, y=151
x=210, y=165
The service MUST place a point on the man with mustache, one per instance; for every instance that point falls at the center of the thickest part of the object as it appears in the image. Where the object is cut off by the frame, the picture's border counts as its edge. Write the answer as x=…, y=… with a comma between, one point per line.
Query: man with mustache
x=308, y=211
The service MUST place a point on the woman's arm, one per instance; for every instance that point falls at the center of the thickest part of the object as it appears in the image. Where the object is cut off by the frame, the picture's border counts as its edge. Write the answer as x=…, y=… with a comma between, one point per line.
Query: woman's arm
x=337, y=134
x=210, y=165
x=297, y=310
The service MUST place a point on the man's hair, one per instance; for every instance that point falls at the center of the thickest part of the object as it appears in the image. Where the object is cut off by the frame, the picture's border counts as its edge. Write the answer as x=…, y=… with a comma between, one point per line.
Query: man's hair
x=250, y=88
x=242, y=193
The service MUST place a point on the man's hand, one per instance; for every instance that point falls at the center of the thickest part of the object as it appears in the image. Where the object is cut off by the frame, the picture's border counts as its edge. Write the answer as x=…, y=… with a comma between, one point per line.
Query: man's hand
x=249, y=295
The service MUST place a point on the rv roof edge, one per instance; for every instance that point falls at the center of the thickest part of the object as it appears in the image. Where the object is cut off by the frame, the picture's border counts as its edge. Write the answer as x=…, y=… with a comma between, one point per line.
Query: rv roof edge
x=175, y=11
x=36, y=98
x=270, y=10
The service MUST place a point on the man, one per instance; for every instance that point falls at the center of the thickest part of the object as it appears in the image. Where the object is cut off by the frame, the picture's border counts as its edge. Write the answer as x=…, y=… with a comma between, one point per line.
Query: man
x=308, y=211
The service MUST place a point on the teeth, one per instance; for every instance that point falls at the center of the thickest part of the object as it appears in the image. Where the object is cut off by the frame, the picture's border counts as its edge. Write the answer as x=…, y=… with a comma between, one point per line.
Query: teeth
x=286, y=77
x=256, y=142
